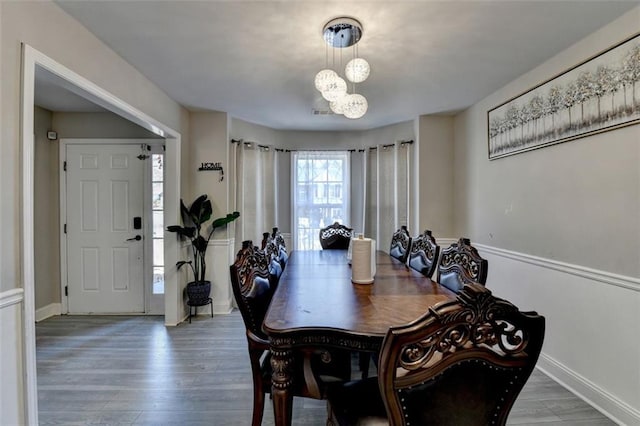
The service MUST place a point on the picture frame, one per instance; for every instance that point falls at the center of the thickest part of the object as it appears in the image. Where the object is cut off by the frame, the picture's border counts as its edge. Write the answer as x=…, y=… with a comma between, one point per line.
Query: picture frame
x=599, y=94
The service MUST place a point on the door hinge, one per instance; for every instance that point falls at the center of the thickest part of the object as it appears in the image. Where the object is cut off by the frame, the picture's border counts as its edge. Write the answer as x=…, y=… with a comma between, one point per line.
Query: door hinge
x=65, y=228
x=64, y=166
x=66, y=290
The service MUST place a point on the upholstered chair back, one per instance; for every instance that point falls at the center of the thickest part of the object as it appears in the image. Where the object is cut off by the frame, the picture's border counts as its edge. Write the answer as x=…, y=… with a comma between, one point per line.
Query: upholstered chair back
x=335, y=237
x=400, y=244
x=251, y=286
x=461, y=264
x=424, y=253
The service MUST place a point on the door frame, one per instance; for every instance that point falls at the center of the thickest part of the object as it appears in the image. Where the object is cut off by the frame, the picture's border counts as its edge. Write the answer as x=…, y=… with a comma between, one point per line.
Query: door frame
x=147, y=266
x=33, y=59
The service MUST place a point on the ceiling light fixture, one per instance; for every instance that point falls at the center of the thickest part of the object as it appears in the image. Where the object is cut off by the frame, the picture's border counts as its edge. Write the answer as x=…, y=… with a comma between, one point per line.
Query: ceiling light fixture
x=341, y=33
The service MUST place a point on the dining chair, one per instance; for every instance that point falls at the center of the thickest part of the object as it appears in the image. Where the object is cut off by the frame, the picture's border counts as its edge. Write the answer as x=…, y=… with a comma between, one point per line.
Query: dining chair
x=400, y=244
x=424, y=253
x=253, y=290
x=464, y=362
x=265, y=238
x=335, y=237
x=461, y=264
x=283, y=256
x=271, y=250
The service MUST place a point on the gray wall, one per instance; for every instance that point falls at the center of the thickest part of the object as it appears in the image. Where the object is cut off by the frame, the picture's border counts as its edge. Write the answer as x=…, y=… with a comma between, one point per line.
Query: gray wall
x=46, y=218
x=47, y=191
x=576, y=202
x=73, y=46
x=560, y=228
x=97, y=125
x=45, y=27
x=435, y=176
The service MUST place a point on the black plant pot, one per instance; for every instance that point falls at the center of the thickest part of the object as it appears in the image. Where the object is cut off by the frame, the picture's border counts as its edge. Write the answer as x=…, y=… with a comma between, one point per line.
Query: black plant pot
x=198, y=292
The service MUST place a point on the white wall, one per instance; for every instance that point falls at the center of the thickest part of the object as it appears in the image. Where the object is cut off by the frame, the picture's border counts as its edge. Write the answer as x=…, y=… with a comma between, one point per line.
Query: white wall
x=560, y=227
x=11, y=358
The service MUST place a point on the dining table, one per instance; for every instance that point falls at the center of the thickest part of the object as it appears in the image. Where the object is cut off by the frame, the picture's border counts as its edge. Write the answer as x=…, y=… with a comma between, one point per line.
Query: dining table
x=316, y=305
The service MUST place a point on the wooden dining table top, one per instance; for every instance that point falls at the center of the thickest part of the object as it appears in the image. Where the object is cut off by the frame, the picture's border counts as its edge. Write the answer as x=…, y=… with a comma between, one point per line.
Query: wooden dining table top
x=316, y=293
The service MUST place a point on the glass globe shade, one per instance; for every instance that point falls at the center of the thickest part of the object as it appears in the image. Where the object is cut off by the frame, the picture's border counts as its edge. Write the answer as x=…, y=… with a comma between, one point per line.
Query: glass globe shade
x=324, y=77
x=335, y=89
x=357, y=70
x=338, y=105
x=355, y=106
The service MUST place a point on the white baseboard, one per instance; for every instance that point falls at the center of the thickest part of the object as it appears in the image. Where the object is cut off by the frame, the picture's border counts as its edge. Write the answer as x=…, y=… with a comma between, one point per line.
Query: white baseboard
x=48, y=311
x=223, y=308
x=603, y=401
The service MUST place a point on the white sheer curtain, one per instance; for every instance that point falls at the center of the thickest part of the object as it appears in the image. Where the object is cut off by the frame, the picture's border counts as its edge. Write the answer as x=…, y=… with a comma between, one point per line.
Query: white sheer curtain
x=358, y=160
x=283, y=193
x=371, y=195
x=388, y=195
x=255, y=191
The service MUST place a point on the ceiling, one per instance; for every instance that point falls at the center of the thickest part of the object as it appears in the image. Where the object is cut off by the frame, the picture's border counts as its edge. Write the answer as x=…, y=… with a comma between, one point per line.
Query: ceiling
x=257, y=60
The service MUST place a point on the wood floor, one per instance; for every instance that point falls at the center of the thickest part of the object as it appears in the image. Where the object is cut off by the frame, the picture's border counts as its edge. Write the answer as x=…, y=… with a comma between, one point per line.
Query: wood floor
x=121, y=370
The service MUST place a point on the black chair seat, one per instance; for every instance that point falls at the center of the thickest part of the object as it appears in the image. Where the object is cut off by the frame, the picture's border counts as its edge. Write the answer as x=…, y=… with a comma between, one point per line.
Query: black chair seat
x=357, y=402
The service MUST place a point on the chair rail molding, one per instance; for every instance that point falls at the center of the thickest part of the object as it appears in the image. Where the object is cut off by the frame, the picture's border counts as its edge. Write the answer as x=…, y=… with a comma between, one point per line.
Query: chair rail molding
x=11, y=297
x=630, y=283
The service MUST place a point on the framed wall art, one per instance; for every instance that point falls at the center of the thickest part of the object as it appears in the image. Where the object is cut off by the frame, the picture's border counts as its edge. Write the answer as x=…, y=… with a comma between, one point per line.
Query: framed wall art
x=599, y=94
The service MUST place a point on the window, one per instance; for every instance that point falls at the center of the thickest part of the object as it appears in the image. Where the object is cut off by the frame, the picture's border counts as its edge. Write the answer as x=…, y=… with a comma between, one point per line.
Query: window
x=321, y=181
x=157, y=206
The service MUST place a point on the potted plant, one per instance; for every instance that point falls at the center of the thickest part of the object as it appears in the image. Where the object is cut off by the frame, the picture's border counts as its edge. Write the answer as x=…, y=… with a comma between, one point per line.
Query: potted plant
x=194, y=229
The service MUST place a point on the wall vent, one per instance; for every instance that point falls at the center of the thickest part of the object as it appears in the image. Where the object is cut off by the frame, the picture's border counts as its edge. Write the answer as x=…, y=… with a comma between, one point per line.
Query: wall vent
x=322, y=112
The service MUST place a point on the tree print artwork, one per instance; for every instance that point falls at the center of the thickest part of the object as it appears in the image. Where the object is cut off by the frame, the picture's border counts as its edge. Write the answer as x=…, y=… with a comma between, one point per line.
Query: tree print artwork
x=602, y=93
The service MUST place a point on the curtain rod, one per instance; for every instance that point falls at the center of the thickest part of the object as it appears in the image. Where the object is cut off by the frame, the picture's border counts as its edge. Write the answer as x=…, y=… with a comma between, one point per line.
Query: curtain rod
x=407, y=142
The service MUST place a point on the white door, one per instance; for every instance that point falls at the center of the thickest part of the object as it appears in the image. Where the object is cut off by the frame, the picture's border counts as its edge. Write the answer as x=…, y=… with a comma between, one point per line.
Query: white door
x=105, y=251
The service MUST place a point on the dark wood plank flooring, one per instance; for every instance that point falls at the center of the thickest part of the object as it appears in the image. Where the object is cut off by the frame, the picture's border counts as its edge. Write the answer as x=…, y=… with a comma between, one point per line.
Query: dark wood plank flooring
x=121, y=370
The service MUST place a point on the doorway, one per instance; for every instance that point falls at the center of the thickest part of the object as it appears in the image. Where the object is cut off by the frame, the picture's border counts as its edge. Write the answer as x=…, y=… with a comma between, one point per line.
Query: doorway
x=34, y=61
x=112, y=254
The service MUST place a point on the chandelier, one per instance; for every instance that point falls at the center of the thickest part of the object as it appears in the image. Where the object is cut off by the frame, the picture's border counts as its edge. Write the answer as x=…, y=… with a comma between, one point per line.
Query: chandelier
x=341, y=33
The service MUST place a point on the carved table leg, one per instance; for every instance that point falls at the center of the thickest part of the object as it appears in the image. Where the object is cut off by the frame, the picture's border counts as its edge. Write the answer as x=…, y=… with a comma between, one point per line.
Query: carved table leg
x=282, y=381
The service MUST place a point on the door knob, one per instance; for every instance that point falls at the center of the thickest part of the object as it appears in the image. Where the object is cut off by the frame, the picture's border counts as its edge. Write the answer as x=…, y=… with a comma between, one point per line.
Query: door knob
x=136, y=238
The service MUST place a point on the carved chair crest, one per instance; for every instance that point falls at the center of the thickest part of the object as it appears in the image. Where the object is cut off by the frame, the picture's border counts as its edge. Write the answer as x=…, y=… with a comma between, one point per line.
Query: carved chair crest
x=335, y=236
x=271, y=248
x=279, y=239
x=424, y=253
x=400, y=244
x=463, y=259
